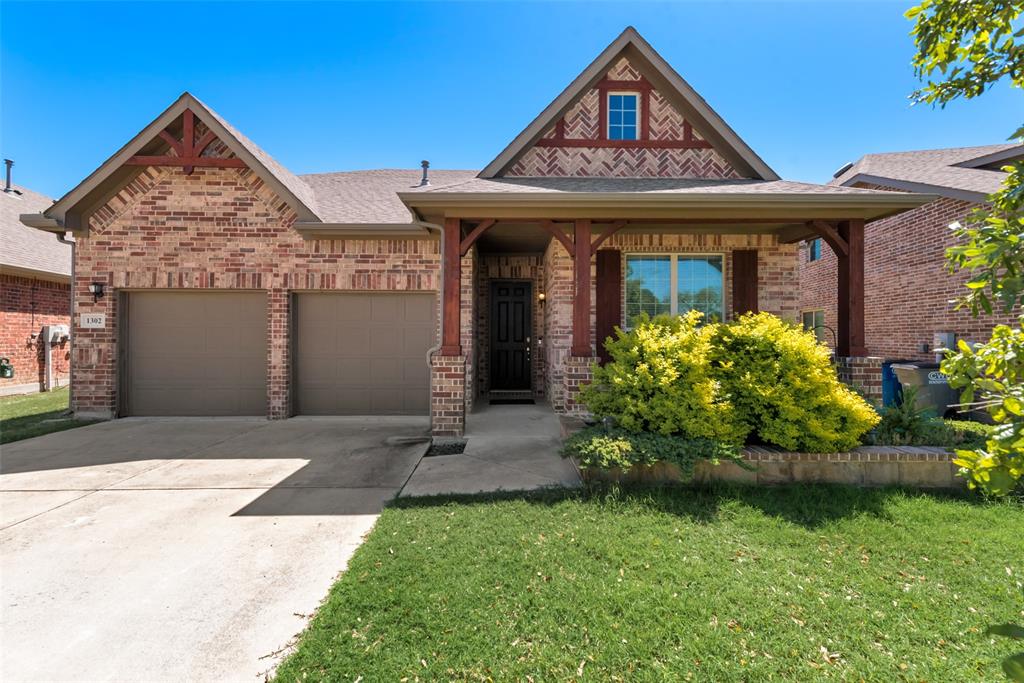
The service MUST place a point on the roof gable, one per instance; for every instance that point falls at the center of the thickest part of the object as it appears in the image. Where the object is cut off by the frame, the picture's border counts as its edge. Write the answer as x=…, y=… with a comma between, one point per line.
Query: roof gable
x=683, y=137
x=153, y=140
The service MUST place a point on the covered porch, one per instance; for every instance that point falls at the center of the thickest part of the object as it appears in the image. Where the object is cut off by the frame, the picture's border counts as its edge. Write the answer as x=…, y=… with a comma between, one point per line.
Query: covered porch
x=535, y=281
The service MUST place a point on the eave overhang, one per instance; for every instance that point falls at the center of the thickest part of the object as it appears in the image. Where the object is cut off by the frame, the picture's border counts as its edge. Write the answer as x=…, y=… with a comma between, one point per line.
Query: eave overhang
x=775, y=207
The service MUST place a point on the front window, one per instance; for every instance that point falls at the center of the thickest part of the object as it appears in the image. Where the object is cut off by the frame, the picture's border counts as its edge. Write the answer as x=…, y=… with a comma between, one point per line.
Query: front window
x=622, y=116
x=674, y=284
x=814, y=321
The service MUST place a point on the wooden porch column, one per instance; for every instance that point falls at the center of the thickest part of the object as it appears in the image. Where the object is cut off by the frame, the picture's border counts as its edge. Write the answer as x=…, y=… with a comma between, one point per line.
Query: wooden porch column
x=581, y=302
x=850, y=326
x=451, y=273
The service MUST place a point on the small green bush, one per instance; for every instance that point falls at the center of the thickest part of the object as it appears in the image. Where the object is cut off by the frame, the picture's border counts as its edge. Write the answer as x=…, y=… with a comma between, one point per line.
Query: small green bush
x=619, y=448
x=908, y=425
x=784, y=387
x=659, y=380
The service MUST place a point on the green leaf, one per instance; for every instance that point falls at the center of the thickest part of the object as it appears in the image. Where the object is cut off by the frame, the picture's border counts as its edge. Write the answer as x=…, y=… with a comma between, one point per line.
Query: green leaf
x=1014, y=631
x=1013, y=405
x=1013, y=667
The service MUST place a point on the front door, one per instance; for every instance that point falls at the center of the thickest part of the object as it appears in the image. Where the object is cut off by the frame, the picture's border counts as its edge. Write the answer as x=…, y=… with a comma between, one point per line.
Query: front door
x=510, y=335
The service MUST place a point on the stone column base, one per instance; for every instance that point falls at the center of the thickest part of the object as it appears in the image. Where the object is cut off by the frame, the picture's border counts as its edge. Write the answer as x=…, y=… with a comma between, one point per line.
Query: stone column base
x=448, y=395
x=862, y=373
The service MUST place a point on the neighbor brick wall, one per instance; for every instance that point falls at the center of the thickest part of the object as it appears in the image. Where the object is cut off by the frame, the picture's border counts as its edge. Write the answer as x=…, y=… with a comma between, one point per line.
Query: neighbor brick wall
x=220, y=229
x=907, y=288
x=26, y=305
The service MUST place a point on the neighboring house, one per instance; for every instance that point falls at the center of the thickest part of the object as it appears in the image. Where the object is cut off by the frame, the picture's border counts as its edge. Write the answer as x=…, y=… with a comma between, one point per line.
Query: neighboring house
x=225, y=284
x=35, y=291
x=908, y=287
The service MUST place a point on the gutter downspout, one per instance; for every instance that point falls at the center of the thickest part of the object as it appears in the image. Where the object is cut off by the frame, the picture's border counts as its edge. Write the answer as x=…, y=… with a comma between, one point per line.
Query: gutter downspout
x=433, y=349
x=62, y=238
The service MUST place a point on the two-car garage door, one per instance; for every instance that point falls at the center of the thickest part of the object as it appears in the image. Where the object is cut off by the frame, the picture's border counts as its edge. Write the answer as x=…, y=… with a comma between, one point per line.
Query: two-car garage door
x=205, y=353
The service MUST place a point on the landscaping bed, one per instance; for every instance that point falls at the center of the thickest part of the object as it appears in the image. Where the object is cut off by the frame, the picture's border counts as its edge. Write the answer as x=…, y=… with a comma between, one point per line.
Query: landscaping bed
x=722, y=584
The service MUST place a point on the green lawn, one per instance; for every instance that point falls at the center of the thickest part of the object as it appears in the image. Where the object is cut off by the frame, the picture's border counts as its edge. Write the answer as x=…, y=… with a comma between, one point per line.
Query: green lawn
x=726, y=584
x=28, y=415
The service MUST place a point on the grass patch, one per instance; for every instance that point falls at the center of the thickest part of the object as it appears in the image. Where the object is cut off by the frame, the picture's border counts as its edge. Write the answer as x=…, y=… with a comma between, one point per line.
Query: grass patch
x=723, y=584
x=28, y=415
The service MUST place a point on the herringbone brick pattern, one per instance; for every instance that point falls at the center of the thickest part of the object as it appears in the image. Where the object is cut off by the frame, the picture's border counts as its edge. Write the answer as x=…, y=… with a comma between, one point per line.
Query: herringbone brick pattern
x=581, y=122
x=623, y=163
x=666, y=123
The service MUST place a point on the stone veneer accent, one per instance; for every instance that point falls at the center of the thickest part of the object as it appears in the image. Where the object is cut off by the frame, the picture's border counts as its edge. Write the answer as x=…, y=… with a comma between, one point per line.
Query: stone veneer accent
x=863, y=373
x=920, y=467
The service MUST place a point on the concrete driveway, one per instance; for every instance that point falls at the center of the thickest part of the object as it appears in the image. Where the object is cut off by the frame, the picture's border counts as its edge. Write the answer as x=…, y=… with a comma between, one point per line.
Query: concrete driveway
x=181, y=549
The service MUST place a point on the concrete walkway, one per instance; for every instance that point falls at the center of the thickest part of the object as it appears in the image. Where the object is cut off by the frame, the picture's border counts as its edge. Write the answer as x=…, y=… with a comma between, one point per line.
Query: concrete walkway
x=508, y=448
x=178, y=550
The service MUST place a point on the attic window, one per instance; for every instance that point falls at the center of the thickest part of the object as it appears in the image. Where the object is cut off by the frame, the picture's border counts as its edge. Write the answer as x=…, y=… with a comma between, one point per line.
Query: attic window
x=622, y=115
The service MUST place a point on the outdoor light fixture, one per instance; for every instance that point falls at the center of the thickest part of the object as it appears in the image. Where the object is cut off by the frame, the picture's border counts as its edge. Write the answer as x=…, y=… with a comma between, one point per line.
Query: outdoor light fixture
x=96, y=289
x=541, y=297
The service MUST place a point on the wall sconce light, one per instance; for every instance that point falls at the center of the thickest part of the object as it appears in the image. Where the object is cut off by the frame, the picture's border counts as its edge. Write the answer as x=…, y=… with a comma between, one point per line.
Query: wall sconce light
x=541, y=298
x=96, y=289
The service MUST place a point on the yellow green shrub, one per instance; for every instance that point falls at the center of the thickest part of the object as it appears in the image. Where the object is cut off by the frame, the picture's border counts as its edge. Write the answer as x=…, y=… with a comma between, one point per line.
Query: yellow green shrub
x=659, y=380
x=783, y=386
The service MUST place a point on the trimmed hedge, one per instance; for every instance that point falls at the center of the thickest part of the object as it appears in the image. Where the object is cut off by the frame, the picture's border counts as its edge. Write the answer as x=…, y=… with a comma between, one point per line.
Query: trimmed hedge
x=756, y=377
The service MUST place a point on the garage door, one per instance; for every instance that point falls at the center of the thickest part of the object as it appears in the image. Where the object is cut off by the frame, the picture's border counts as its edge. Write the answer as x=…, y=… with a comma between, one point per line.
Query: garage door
x=196, y=353
x=363, y=354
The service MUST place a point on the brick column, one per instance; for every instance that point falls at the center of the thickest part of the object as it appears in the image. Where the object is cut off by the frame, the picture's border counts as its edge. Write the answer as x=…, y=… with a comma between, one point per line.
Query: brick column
x=863, y=373
x=577, y=373
x=448, y=395
x=278, y=354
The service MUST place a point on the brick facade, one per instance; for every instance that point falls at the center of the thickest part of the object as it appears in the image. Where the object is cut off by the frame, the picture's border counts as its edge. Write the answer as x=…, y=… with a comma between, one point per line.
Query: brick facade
x=581, y=122
x=907, y=288
x=863, y=373
x=26, y=305
x=220, y=229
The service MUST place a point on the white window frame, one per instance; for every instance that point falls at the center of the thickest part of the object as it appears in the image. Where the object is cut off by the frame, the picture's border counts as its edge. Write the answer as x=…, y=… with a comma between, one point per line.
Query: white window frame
x=608, y=111
x=673, y=278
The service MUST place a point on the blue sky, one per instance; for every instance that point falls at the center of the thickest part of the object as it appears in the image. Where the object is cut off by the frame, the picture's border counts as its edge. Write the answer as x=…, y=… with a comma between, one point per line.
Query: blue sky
x=338, y=86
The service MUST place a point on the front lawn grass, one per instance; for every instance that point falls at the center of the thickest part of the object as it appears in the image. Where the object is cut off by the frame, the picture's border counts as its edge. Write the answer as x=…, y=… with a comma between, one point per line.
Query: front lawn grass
x=722, y=584
x=28, y=415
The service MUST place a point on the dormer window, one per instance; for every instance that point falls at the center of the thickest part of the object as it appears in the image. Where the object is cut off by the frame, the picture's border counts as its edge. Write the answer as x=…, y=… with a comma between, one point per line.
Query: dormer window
x=623, y=115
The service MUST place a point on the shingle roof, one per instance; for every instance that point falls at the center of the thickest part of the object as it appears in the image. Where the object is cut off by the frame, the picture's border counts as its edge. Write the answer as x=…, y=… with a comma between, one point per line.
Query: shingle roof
x=283, y=175
x=938, y=169
x=371, y=197
x=24, y=247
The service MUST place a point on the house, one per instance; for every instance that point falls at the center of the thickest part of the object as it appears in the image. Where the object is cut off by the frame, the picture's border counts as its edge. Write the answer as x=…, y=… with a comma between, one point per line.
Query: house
x=35, y=295
x=210, y=280
x=908, y=288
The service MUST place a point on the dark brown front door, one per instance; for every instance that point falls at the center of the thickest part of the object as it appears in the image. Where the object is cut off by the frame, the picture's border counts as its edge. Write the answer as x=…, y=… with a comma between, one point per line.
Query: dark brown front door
x=510, y=335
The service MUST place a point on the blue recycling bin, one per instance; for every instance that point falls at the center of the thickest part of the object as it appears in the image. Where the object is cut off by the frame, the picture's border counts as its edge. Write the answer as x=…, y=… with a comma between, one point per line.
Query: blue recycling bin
x=892, y=391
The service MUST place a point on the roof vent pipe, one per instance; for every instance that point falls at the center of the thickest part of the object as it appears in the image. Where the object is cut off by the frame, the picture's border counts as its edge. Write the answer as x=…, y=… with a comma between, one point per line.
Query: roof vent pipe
x=424, y=181
x=7, y=185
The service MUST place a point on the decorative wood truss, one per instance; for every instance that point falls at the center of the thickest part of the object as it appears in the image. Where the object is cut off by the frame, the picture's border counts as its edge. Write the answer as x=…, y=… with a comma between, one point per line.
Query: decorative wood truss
x=187, y=152
x=643, y=87
x=845, y=237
